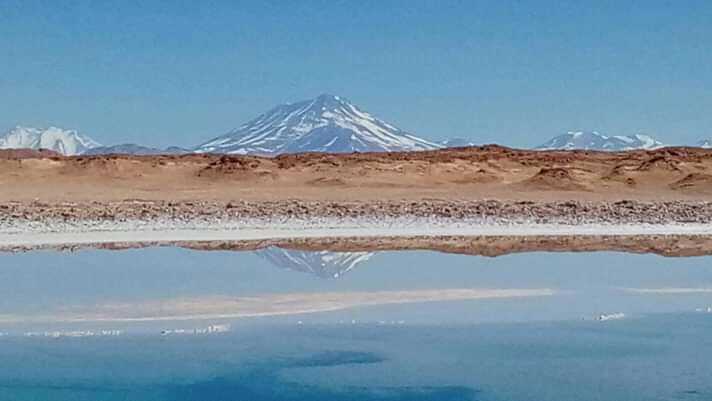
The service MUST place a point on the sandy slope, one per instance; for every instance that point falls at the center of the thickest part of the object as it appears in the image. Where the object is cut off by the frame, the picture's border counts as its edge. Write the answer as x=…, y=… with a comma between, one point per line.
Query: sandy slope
x=489, y=172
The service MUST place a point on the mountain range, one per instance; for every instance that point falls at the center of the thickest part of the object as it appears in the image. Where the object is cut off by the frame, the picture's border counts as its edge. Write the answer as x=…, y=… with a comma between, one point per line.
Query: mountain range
x=596, y=141
x=705, y=143
x=133, y=149
x=327, y=123
x=67, y=142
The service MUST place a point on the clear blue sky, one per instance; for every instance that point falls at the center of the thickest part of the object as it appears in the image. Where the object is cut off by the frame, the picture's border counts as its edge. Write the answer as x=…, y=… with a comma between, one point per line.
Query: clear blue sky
x=513, y=72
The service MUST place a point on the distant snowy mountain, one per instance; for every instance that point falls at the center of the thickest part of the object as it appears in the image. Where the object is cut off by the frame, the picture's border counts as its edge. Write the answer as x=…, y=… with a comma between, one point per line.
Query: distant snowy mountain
x=324, y=264
x=596, y=141
x=133, y=149
x=456, y=143
x=327, y=123
x=705, y=143
x=67, y=142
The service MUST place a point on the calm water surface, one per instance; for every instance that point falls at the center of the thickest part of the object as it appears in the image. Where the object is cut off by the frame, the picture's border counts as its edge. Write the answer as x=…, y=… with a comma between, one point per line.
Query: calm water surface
x=545, y=348
x=665, y=356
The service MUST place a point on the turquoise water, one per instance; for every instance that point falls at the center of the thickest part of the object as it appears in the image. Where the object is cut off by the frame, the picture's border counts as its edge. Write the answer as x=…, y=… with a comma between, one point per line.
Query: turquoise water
x=504, y=349
x=653, y=357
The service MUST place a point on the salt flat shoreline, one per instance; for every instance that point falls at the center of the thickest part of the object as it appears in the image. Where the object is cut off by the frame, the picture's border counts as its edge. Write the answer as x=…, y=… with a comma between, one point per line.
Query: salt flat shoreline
x=167, y=231
x=486, y=227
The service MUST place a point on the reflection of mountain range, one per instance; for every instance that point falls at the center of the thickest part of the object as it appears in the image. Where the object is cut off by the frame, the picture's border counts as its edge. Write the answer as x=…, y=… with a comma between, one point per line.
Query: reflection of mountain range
x=324, y=264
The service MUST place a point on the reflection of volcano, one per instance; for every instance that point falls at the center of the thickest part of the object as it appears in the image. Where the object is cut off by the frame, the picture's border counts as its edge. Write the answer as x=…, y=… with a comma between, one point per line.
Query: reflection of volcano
x=325, y=264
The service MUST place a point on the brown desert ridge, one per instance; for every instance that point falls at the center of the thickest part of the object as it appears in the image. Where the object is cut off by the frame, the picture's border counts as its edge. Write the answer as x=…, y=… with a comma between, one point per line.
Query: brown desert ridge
x=667, y=185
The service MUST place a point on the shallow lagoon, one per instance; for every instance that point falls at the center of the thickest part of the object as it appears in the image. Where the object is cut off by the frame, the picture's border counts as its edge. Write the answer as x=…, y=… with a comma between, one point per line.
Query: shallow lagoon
x=588, y=282
x=538, y=348
x=664, y=356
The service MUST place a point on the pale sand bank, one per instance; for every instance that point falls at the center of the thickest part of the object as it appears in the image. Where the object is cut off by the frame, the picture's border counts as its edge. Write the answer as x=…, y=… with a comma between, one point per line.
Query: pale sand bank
x=258, y=305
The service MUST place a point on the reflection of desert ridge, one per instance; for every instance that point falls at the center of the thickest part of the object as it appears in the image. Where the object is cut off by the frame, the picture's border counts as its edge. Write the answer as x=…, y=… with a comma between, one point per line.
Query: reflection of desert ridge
x=491, y=246
x=259, y=305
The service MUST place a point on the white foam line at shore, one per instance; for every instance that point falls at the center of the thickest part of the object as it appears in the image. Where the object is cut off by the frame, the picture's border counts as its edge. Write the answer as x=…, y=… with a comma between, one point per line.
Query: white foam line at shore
x=85, y=235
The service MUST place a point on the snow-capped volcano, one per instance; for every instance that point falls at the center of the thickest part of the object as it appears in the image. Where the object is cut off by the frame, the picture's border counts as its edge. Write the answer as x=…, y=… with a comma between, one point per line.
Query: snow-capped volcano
x=326, y=123
x=596, y=141
x=324, y=264
x=67, y=142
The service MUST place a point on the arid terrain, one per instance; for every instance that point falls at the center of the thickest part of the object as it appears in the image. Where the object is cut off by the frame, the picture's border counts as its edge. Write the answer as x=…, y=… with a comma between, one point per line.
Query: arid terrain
x=490, y=184
x=489, y=172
